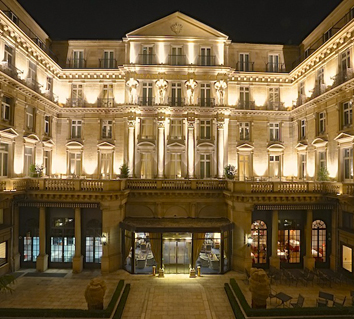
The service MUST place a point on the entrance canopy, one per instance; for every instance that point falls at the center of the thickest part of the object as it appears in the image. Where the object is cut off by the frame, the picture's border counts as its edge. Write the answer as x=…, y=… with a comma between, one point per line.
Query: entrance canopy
x=160, y=225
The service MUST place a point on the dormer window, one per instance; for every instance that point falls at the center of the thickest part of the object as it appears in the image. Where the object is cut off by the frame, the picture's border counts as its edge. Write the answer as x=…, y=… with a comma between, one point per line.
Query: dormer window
x=108, y=61
x=78, y=61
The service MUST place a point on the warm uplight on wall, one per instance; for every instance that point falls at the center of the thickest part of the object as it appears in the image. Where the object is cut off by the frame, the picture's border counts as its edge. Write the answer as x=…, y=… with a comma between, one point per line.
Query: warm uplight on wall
x=260, y=98
x=260, y=168
x=104, y=239
x=90, y=166
x=161, y=54
x=190, y=53
x=332, y=170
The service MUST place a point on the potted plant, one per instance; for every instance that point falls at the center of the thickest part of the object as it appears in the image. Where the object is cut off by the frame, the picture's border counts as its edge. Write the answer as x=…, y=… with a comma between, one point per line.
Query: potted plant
x=230, y=171
x=323, y=174
x=124, y=171
x=36, y=170
x=5, y=282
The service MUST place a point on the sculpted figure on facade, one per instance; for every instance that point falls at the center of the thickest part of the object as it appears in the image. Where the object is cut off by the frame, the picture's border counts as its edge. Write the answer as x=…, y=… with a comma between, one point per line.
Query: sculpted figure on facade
x=162, y=86
x=220, y=87
x=191, y=84
x=132, y=85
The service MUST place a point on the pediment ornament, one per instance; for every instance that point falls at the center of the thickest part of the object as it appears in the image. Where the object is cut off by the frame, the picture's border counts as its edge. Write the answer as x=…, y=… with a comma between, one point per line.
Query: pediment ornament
x=176, y=28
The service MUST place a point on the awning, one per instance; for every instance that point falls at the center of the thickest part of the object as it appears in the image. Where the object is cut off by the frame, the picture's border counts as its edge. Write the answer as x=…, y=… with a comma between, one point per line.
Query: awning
x=192, y=225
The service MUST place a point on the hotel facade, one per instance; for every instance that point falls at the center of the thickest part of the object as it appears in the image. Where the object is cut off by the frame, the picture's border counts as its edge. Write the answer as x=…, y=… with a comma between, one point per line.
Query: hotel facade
x=176, y=102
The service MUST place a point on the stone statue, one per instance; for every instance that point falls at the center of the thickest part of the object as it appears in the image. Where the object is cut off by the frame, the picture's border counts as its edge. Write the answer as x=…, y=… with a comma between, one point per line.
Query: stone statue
x=259, y=287
x=132, y=84
x=220, y=87
x=161, y=90
x=190, y=85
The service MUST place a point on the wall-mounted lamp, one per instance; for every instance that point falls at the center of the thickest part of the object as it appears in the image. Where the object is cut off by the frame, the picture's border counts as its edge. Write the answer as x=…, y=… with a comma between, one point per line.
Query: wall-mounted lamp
x=249, y=240
x=104, y=239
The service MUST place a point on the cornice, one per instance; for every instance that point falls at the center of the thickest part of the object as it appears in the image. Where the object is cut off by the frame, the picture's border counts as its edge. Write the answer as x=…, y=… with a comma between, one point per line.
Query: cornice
x=261, y=78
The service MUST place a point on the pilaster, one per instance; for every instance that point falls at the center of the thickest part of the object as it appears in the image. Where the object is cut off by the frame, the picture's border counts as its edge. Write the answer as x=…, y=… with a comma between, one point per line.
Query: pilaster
x=42, y=259
x=78, y=259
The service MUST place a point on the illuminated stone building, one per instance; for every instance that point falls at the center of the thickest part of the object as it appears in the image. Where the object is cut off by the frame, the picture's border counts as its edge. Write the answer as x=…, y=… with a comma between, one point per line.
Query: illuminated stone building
x=176, y=101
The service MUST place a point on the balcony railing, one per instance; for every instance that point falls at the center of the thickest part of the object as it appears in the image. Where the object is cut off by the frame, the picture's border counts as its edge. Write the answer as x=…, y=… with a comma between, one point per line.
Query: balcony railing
x=178, y=101
x=51, y=96
x=105, y=102
x=246, y=105
x=10, y=69
x=177, y=59
x=75, y=102
x=245, y=66
x=146, y=101
x=34, y=85
x=108, y=63
x=147, y=59
x=342, y=76
x=275, y=105
x=275, y=67
x=206, y=60
x=206, y=102
x=76, y=64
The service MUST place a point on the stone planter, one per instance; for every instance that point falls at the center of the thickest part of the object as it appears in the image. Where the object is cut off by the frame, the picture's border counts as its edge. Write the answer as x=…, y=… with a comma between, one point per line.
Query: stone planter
x=94, y=294
x=259, y=287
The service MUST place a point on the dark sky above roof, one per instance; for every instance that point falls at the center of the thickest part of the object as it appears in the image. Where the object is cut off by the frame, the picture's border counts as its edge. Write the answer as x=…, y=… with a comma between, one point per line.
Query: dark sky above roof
x=259, y=21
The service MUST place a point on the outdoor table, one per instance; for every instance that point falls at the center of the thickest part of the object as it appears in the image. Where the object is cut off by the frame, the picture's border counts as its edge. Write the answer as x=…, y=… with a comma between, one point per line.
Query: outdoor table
x=283, y=298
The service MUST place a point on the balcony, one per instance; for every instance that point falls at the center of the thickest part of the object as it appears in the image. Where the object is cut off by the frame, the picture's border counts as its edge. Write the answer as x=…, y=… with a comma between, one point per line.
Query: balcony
x=178, y=101
x=342, y=76
x=275, y=67
x=105, y=102
x=34, y=85
x=146, y=101
x=177, y=59
x=206, y=102
x=275, y=105
x=76, y=64
x=206, y=60
x=107, y=63
x=147, y=59
x=245, y=66
x=246, y=105
x=51, y=96
x=10, y=69
x=75, y=102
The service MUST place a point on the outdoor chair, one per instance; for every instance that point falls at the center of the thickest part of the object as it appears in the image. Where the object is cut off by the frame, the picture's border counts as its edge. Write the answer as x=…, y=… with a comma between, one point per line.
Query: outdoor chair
x=309, y=279
x=339, y=302
x=290, y=278
x=299, y=303
x=323, y=298
x=272, y=294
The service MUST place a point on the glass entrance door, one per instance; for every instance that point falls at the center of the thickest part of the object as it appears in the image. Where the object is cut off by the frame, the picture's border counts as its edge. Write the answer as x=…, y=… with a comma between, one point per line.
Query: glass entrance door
x=177, y=249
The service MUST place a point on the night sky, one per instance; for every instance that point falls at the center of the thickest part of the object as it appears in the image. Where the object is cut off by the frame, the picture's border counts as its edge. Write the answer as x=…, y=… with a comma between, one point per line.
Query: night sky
x=254, y=21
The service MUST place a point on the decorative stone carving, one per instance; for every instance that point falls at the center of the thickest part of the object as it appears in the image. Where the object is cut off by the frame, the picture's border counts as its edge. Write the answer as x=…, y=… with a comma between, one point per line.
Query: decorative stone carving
x=259, y=287
x=161, y=90
x=176, y=28
x=191, y=84
x=94, y=294
x=132, y=84
x=220, y=87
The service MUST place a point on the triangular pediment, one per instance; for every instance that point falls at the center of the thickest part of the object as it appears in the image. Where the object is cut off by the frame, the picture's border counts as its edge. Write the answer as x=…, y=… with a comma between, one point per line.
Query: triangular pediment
x=175, y=146
x=8, y=133
x=177, y=25
x=48, y=143
x=344, y=138
x=105, y=146
x=245, y=147
x=301, y=147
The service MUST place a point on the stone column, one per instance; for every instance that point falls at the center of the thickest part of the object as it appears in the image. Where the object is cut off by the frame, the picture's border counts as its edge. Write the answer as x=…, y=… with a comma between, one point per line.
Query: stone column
x=332, y=239
x=78, y=260
x=131, y=138
x=220, y=149
x=274, y=260
x=161, y=150
x=309, y=261
x=42, y=259
x=16, y=235
x=190, y=154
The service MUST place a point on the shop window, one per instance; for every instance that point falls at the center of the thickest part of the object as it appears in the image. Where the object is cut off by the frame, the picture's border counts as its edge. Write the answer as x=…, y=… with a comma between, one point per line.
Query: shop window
x=347, y=258
x=93, y=242
x=3, y=253
x=259, y=242
x=319, y=240
x=207, y=252
x=289, y=242
x=62, y=240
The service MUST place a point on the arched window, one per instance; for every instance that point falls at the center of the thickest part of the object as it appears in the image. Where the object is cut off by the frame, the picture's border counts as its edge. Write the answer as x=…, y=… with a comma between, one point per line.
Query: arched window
x=259, y=243
x=319, y=240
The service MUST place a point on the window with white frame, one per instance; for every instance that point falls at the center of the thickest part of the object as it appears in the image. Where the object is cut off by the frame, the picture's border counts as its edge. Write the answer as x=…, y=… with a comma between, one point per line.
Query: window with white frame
x=147, y=94
x=244, y=131
x=76, y=127
x=274, y=132
x=176, y=129
x=28, y=160
x=244, y=102
x=302, y=129
x=345, y=64
x=47, y=125
x=107, y=128
x=74, y=162
x=47, y=162
x=78, y=61
x=348, y=163
x=274, y=166
x=321, y=122
x=273, y=63
x=175, y=167
x=327, y=35
x=205, y=99
x=106, y=162
x=205, y=56
x=177, y=57
x=302, y=166
x=321, y=87
x=146, y=165
x=13, y=17
x=322, y=161
x=4, y=159
x=244, y=62
x=30, y=114
x=147, y=129
x=108, y=59
x=205, y=166
x=147, y=54
x=273, y=98
x=205, y=129
x=6, y=104
x=77, y=95
x=347, y=114
x=9, y=55
x=32, y=71
x=244, y=166
x=176, y=94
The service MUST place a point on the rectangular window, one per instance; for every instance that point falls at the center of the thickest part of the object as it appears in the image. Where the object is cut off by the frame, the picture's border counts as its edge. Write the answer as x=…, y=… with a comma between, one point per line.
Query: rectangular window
x=78, y=59
x=76, y=126
x=176, y=129
x=74, y=163
x=347, y=114
x=244, y=164
x=146, y=165
x=47, y=125
x=306, y=53
x=6, y=103
x=205, y=99
x=347, y=258
x=4, y=159
x=345, y=65
x=205, y=56
x=320, y=83
x=244, y=62
x=322, y=161
x=274, y=166
x=244, y=102
x=176, y=94
x=77, y=96
x=47, y=163
x=273, y=63
x=9, y=55
x=302, y=168
x=177, y=57
x=32, y=71
x=108, y=60
x=205, y=129
x=29, y=160
x=205, y=165
x=348, y=163
x=244, y=131
x=273, y=99
x=147, y=56
x=107, y=129
x=274, y=132
x=302, y=129
x=175, y=168
x=106, y=164
x=147, y=129
x=321, y=123
x=30, y=114
x=347, y=220
x=327, y=35
x=3, y=253
x=147, y=94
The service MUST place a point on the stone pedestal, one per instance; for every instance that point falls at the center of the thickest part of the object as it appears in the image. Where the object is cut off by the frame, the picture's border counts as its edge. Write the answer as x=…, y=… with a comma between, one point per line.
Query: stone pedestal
x=274, y=261
x=78, y=264
x=309, y=262
x=42, y=263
